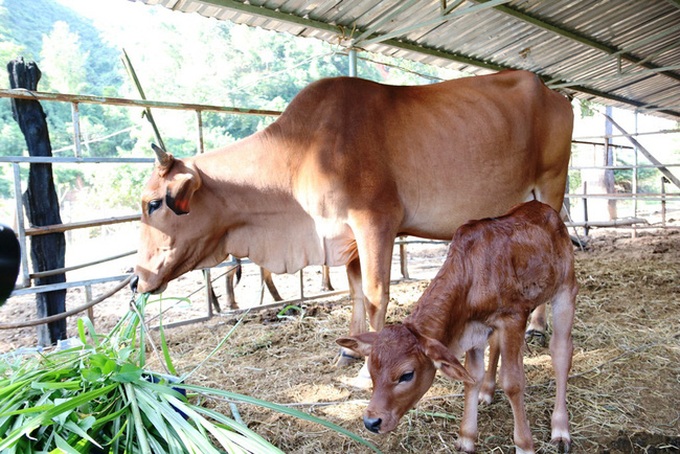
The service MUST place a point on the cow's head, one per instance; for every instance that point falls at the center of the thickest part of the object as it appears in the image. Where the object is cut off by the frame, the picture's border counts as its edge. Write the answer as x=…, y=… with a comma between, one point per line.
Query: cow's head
x=402, y=364
x=175, y=232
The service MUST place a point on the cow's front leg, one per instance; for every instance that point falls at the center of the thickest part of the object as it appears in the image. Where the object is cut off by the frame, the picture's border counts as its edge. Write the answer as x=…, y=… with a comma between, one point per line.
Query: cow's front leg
x=375, y=254
x=357, y=324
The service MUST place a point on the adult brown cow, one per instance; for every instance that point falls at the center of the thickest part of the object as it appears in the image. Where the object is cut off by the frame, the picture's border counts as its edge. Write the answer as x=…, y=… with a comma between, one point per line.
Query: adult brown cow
x=346, y=168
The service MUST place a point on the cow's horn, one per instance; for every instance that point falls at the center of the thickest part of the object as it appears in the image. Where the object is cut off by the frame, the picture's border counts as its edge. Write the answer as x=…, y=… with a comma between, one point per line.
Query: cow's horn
x=164, y=159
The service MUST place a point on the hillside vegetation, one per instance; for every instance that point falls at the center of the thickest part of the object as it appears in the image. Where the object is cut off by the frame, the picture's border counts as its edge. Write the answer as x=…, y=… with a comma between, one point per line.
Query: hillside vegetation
x=178, y=57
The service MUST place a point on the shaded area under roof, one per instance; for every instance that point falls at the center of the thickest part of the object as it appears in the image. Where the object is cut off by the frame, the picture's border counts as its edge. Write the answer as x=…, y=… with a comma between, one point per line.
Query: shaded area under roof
x=617, y=52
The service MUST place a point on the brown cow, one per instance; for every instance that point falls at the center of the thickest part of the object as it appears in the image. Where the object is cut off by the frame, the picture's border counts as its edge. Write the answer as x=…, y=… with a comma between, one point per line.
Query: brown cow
x=346, y=168
x=496, y=272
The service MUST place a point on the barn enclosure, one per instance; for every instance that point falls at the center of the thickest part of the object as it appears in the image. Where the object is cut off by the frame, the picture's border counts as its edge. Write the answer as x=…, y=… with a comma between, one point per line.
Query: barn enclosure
x=610, y=185
x=622, y=198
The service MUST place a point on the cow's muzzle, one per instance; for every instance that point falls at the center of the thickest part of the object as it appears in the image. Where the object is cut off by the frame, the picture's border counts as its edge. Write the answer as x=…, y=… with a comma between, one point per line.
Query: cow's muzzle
x=373, y=424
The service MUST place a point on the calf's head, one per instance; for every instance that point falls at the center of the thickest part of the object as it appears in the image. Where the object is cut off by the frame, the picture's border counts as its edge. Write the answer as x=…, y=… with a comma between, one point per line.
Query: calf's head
x=174, y=238
x=402, y=364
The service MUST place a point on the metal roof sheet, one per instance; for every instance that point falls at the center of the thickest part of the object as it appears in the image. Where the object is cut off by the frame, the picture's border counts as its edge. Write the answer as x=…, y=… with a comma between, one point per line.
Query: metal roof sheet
x=624, y=53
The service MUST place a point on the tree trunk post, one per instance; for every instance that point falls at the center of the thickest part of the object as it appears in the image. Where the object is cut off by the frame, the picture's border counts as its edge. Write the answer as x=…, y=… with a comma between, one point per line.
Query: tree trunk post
x=40, y=200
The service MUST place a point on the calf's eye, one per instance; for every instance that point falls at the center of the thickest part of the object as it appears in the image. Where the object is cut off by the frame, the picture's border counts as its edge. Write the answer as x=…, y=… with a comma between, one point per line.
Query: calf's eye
x=408, y=376
x=154, y=205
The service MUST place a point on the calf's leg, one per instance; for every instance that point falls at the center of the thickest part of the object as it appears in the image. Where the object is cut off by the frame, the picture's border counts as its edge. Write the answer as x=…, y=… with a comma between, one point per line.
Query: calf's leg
x=513, y=382
x=561, y=351
x=467, y=436
x=489, y=383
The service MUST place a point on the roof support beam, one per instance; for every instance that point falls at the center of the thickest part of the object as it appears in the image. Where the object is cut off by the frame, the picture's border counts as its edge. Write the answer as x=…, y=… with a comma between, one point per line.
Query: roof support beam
x=585, y=40
x=460, y=58
x=272, y=14
x=435, y=21
x=617, y=76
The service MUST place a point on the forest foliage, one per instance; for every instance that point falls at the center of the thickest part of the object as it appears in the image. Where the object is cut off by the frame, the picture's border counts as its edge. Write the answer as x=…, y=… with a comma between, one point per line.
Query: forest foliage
x=178, y=58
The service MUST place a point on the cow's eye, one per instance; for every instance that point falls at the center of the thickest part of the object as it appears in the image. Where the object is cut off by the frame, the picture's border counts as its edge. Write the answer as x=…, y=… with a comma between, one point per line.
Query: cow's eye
x=408, y=376
x=154, y=205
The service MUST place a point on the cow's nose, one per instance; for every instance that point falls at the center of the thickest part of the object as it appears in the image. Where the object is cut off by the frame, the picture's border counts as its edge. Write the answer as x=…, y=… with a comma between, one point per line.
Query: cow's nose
x=372, y=424
x=133, y=282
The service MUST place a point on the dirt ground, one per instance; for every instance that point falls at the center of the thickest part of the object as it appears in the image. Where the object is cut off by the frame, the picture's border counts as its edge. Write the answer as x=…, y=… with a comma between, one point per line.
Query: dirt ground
x=624, y=388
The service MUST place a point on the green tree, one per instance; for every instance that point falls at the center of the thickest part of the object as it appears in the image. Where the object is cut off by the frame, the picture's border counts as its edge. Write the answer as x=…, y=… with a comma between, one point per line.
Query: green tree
x=8, y=48
x=62, y=60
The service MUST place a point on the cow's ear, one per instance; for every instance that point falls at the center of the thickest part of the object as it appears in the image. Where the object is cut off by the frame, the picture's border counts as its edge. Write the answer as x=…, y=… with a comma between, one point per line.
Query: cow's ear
x=362, y=343
x=180, y=190
x=444, y=360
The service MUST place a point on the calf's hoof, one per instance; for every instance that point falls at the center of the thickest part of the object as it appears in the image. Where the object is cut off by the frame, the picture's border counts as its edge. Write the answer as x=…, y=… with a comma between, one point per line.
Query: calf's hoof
x=464, y=444
x=486, y=393
x=519, y=450
x=485, y=397
x=561, y=441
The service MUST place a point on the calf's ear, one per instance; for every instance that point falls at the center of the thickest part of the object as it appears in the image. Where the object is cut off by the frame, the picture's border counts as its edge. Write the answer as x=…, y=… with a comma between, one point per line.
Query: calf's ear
x=180, y=190
x=444, y=360
x=362, y=343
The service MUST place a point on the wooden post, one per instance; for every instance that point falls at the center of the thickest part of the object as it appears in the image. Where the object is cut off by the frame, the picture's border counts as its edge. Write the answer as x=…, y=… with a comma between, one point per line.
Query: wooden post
x=40, y=200
x=585, y=209
x=664, y=180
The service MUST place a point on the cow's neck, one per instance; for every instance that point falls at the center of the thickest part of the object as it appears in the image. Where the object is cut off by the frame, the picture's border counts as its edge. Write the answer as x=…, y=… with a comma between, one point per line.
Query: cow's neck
x=250, y=182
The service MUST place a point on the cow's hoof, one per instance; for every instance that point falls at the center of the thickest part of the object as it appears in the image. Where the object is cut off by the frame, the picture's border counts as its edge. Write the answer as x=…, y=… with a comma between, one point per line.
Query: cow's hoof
x=535, y=337
x=346, y=359
x=362, y=383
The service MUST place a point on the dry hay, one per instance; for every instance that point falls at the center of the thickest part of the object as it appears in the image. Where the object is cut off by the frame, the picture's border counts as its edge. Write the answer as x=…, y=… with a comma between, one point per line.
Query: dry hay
x=624, y=390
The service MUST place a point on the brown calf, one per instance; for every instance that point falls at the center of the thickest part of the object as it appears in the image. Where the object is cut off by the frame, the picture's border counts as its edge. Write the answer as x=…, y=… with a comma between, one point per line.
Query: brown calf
x=496, y=272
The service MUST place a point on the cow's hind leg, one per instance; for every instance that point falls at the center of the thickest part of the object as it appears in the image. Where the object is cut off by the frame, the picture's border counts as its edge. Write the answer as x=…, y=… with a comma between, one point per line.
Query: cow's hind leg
x=536, y=331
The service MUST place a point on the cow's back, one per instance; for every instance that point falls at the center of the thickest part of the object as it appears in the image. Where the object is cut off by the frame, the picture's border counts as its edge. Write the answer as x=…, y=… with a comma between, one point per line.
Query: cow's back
x=475, y=147
x=448, y=152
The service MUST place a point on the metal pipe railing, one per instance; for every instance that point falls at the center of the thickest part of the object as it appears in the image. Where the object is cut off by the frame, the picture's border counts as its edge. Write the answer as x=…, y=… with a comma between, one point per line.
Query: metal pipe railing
x=75, y=100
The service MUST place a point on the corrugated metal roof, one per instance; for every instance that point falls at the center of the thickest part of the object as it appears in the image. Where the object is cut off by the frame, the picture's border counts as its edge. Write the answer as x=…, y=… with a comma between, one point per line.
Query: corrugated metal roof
x=625, y=53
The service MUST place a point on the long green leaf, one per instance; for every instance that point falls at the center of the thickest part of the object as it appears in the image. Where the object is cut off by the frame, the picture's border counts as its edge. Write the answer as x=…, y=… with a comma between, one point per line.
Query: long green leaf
x=137, y=419
x=45, y=417
x=248, y=439
x=232, y=424
x=278, y=408
x=64, y=446
x=164, y=343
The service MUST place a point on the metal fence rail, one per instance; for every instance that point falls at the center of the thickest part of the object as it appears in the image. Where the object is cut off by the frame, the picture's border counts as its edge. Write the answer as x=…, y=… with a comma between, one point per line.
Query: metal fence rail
x=24, y=232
